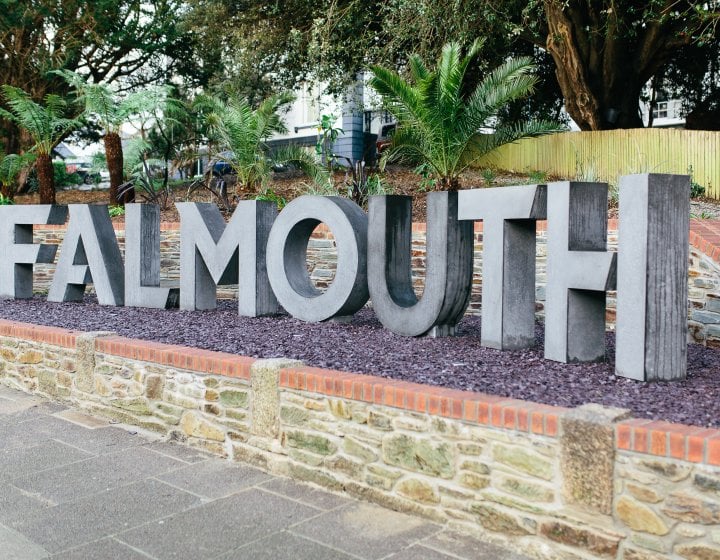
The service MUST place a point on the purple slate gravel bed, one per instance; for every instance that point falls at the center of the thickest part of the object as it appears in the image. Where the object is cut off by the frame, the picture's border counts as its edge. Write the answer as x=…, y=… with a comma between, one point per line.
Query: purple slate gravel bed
x=364, y=346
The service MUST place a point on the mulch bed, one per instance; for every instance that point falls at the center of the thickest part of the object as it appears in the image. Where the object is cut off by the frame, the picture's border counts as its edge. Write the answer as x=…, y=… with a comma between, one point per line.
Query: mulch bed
x=364, y=346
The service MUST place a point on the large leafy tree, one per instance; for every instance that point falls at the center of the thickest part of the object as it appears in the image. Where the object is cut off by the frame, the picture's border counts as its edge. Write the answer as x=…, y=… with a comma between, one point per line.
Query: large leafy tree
x=46, y=124
x=439, y=119
x=130, y=42
x=602, y=52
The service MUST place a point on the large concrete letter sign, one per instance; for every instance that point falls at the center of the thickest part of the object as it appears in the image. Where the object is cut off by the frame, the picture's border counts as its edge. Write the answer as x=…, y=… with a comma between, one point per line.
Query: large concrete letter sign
x=652, y=277
x=579, y=271
x=142, y=259
x=448, y=271
x=508, y=282
x=287, y=258
x=213, y=253
x=89, y=253
x=18, y=254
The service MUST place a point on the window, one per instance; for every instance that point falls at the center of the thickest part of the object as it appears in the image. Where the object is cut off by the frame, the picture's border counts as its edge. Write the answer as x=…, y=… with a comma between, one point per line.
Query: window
x=661, y=110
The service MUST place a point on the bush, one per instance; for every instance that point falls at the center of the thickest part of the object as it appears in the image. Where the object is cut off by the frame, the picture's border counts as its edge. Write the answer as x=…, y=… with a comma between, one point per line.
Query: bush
x=63, y=178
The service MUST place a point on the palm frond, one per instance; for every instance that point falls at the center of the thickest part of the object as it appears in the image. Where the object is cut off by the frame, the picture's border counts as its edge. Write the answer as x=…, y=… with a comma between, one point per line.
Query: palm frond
x=437, y=125
x=12, y=164
x=46, y=125
x=303, y=160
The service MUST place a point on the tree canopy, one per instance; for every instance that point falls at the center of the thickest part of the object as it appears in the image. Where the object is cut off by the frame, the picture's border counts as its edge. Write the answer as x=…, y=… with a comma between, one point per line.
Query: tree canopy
x=127, y=42
x=595, y=55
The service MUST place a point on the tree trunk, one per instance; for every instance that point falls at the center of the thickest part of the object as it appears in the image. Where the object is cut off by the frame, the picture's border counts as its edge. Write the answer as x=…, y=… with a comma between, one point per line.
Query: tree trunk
x=600, y=67
x=46, y=179
x=114, y=158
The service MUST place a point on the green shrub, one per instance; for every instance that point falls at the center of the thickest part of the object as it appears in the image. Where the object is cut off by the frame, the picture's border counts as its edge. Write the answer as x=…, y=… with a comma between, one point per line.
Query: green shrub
x=696, y=189
x=63, y=178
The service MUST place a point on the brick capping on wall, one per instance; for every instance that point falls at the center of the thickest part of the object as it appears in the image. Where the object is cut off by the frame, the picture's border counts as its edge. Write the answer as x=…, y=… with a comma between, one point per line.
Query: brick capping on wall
x=649, y=437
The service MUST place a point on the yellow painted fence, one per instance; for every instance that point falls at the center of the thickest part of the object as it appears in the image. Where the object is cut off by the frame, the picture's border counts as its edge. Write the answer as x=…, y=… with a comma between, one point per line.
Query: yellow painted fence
x=606, y=155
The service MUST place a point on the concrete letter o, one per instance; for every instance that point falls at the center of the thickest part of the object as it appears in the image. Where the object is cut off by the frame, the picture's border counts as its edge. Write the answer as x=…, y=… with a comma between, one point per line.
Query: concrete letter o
x=287, y=256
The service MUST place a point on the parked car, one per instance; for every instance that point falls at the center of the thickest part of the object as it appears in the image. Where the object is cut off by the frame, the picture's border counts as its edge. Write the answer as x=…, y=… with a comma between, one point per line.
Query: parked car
x=385, y=137
x=87, y=174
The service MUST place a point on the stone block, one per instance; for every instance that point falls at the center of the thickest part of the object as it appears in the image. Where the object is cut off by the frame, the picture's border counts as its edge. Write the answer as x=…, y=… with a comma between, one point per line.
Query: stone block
x=195, y=425
x=316, y=476
x=340, y=409
x=305, y=457
x=310, y=442
x=672, y=471
x=379, y=421
x=47, y=382
x=499, y=521
x=640, y=517
x=233, y=398
x=692, y=509
x=419, y=455
x=523, y=460
x=599, y=544
x=154, y=385
x=644, y=493
x=474, y=481
x=345, y=465
x=636, y=554
x=707, y=482
x=526, y=489
x=698, y=552
x=706, y=317
x=476, y=467
x=293, y=415
x=359, y=450
x=587, y=455
x=135, y=406
x=30, y=357
x=418, y=490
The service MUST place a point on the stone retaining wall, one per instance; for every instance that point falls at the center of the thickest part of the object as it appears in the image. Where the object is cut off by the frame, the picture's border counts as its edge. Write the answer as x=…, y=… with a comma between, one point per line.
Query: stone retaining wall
x=553, y=483
x=703, y=293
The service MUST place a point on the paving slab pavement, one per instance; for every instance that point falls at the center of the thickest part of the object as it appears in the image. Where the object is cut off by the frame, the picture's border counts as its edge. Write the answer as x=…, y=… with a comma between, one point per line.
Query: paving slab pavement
x=74, y=487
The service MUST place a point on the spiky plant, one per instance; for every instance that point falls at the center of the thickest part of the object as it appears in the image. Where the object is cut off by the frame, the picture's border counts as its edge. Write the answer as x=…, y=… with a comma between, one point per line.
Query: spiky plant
x=439, y=124
x=111, y=112
x=244, y=131
x=46, y=124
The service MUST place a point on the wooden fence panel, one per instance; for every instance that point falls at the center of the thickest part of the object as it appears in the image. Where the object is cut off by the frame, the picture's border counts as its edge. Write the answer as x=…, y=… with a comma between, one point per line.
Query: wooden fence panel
x=606, y=155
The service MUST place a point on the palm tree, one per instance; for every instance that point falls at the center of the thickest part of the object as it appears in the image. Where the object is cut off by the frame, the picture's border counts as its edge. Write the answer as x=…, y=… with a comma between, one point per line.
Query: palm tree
x=10, y=167
x=439, y=124
x=243, y=131
x=46, y=124
x=111, y=112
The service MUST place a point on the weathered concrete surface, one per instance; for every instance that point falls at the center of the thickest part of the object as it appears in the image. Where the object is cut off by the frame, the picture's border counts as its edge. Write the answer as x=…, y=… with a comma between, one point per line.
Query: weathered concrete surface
x=652, y=321
x=287, y=258
x=89, y=253
x=448, y=270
